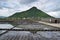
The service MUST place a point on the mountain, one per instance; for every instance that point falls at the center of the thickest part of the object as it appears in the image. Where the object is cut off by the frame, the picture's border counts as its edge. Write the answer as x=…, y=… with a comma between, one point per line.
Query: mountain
x=2, y=17
x=32, y=12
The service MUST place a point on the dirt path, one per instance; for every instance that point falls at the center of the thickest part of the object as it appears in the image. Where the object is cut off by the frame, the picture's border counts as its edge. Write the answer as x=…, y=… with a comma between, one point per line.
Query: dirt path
x=50, y=24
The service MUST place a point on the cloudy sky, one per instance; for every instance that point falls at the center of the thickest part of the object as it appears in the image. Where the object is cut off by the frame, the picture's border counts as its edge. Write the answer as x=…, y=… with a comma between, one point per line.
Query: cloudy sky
x=9, y=7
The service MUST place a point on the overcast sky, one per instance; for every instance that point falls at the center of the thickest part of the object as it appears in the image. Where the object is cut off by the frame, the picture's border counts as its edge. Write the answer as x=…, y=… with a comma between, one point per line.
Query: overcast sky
x=9, y=7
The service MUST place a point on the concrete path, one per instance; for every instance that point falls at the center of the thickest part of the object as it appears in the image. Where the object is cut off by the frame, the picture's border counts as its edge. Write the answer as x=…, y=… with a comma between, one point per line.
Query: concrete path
x=50, y=24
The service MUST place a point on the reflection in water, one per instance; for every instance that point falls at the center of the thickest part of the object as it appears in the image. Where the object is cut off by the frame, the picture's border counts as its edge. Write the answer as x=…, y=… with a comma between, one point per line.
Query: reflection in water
x=3, y=26
x=51, y=34
x=26, y=35
x=2, y=31
x=6, y=26
x=39, y=26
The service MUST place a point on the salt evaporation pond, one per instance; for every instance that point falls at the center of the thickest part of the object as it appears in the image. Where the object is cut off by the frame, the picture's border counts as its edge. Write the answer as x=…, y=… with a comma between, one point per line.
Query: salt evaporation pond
x=26, y=35
x=5, y=26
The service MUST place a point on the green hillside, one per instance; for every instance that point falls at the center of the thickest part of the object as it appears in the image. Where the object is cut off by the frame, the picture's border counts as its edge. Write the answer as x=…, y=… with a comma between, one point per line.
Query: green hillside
x=33, y=12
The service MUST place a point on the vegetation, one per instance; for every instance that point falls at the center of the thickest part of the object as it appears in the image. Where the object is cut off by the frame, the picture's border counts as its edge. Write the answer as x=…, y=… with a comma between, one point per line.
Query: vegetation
x=33, y=12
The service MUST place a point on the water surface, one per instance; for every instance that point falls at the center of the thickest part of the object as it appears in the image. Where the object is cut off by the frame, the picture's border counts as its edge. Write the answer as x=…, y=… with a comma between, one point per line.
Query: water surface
x=5, y=26
x=26, y=35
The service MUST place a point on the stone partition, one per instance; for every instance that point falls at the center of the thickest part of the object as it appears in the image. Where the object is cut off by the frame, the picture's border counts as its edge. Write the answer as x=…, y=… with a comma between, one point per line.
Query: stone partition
x=51, y=20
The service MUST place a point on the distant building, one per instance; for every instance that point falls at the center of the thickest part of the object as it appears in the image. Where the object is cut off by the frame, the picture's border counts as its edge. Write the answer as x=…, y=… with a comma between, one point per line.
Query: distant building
x=51, y=20
x=55, y=20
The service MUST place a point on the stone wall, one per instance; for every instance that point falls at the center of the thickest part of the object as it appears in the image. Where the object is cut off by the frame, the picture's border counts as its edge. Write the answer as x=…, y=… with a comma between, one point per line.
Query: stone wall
x=51, y=20
x=45, y=19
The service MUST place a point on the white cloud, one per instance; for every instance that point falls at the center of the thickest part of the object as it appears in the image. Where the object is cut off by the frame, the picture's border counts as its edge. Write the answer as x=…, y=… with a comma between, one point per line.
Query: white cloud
x=6, y=12
x=27, y=1
x=9, y=7
x=55, y=14
x=51, y=7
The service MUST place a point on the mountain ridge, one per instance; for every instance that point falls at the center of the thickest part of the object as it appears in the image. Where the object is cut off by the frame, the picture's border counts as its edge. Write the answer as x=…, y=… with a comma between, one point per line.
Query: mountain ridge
x=32, y=12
